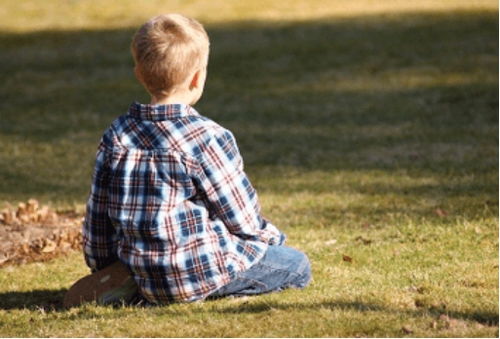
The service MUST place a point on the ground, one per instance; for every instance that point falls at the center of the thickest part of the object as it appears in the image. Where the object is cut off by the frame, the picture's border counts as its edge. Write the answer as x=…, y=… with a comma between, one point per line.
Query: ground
x=369, y=128
x=33, y=233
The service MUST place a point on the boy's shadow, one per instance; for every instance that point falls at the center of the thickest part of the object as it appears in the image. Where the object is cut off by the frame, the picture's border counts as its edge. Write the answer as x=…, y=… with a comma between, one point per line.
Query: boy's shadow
x=37, y=299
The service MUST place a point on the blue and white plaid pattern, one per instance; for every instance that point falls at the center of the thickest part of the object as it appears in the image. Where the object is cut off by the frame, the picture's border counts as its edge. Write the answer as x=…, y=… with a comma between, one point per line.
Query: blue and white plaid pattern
x=170, y=199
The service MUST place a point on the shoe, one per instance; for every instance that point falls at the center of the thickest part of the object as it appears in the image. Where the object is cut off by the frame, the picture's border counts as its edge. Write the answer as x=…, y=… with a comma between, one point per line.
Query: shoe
x=111, y=285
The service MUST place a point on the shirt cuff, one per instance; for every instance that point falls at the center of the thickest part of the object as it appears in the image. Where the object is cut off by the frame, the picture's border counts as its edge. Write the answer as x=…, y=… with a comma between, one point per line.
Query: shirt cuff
x=271, y=235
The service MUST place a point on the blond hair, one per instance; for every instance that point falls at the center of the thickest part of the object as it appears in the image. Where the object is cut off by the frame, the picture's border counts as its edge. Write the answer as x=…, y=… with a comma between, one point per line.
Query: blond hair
x=167, y=50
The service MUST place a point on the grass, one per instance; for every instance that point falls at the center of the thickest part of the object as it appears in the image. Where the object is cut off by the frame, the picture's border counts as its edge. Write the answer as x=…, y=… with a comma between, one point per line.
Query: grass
x=370, y=129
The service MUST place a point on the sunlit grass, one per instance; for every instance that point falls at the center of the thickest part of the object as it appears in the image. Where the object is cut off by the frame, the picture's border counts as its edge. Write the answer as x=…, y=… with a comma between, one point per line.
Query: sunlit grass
x=428, y=277
x=92, y=14
x=369, y=128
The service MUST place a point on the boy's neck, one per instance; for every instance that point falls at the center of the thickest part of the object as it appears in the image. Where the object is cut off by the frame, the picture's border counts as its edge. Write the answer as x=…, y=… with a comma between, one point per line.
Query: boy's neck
x=169, y=100
x=187, y=93
x=181, y=97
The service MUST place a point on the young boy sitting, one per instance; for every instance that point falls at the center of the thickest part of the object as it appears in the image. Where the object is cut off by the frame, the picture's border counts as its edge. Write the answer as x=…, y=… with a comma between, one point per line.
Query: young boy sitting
x=170, y=204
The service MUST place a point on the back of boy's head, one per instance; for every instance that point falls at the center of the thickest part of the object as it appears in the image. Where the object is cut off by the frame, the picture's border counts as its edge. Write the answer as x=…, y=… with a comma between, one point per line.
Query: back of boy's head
x=167, y=50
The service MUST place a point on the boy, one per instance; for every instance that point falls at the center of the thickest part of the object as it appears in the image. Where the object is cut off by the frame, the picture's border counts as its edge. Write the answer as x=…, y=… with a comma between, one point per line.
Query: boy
x=170, y=204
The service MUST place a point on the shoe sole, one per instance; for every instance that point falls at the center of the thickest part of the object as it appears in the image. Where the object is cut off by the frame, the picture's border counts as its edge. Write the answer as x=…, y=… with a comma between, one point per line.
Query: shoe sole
x=107, y=286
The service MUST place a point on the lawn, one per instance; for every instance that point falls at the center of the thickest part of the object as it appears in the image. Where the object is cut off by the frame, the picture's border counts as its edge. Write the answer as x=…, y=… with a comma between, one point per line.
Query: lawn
x=369, y=128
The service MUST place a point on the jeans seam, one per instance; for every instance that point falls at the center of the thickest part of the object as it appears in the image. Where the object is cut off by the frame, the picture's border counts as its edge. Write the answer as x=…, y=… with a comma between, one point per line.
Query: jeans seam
x=298, y=274
x=251, y=282
x=293, y=274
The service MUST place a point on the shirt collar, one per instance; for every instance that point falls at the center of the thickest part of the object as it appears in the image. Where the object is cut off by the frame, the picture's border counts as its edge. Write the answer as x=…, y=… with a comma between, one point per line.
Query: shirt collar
x=160, y=112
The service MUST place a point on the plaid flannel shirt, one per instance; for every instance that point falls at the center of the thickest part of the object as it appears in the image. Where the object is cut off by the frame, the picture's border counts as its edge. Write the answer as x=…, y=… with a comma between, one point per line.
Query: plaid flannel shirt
x=170, y=199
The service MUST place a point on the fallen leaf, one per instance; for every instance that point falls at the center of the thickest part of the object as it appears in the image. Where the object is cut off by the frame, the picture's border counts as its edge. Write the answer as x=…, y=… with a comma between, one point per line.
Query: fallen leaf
x=26, y=248
x=419, y=303
x=444, y=317
x=363, y=240
x=450, y=322
x=346, y=258
x=24, y=218
x=440, y=212
x=50, y=246
x=51, y=218
x=456, y=323
x=21, y=209
x=64, y=245
x=478, y=325
x=32, y=205
x=406, y=330
x=42, y=213
x=9, y=217
x=438, y=306
x=412, y=288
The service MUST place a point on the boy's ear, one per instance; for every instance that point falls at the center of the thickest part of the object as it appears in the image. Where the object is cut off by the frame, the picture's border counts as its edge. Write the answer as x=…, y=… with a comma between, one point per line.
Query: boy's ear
x=195, y=80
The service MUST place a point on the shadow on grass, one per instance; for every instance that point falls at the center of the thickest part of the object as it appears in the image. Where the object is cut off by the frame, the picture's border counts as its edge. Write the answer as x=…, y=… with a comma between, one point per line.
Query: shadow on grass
x=486, y=318
x=390, y=93
x=49, y=300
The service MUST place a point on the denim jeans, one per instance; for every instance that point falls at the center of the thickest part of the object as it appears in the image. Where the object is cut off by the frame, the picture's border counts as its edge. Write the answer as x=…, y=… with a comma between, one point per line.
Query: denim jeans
x=281, y=267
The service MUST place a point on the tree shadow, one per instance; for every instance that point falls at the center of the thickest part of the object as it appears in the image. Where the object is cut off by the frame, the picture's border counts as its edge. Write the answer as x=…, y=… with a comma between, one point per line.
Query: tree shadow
x=299, y=96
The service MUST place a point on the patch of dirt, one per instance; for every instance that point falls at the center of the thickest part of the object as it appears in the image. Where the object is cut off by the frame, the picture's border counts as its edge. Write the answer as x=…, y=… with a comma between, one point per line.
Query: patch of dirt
x=32, y=232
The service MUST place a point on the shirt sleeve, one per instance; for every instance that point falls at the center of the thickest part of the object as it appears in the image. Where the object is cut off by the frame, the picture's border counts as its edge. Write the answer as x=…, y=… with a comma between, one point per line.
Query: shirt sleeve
x=230, y=193
x=100, y=240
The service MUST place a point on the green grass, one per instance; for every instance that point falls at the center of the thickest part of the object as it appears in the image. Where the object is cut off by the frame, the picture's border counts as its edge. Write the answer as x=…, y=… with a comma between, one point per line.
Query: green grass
x=358, y=124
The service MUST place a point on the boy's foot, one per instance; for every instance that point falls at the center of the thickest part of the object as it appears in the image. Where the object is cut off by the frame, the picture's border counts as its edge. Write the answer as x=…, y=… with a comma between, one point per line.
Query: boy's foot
x=110, y=285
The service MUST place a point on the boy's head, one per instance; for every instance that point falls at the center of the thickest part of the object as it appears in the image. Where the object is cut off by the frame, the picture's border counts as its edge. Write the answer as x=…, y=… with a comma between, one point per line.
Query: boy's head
x=171, y=54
